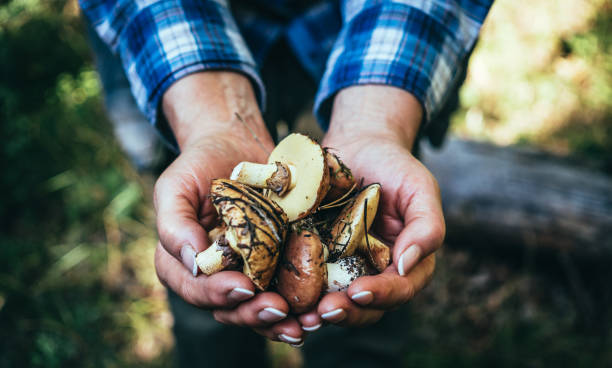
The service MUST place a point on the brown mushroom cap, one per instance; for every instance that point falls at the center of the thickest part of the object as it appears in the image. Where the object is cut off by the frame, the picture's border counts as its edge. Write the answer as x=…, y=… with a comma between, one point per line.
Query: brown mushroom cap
x=302, y=275
x=311, y=179
x=341, y=179
x=256, y=228
x=350, y=227
x=375, y=251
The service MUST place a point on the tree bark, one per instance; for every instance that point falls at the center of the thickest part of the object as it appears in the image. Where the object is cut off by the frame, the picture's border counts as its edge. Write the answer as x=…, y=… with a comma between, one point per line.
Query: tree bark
x=507, y=196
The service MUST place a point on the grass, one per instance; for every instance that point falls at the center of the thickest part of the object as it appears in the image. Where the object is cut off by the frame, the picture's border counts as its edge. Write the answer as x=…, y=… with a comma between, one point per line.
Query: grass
x=77, y=283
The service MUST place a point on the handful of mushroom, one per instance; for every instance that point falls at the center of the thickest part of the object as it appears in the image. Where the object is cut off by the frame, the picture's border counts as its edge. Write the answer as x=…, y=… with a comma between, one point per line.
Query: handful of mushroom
x=298, y=224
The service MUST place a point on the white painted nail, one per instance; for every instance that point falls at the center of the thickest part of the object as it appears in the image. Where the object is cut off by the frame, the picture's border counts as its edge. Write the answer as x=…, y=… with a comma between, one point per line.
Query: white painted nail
x=289, y=339
x=188, y=256
x=332, y=314
x=408, y=259
x=364, y=297
x=244, y=291
x=240, y=294
x=270, y=315
x=297, y=345
x=311, y=328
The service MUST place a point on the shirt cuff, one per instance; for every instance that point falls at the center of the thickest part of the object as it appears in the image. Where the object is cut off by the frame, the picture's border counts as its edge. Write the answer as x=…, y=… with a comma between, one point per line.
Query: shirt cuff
x=401, y=46
x=170, y=39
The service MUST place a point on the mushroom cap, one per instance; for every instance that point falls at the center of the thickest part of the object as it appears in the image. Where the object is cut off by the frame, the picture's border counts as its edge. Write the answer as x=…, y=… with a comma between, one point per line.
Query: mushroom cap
x=343, y=272
x=375, y=251
x=349, y=228
x=312, y=175
x=302, y=275
x=256, y=227
x=341, y=179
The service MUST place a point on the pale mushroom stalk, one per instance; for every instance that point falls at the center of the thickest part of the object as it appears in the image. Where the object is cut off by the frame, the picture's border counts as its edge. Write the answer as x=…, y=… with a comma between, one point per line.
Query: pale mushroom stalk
x=343, y=272
x=218, y=257
x=278, y=177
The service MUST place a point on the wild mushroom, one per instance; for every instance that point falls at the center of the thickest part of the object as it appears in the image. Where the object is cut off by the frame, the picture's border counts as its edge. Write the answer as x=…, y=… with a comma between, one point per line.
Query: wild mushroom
x=256, y=229
x=296, y=174
x=302, y=274
x=348, y=232
x=219, y=256
x=276, y=176
x=375, y=251
x=344, y=271
x=341, y=178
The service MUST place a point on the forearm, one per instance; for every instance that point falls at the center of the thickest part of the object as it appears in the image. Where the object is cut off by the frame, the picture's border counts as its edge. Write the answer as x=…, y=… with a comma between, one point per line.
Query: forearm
x=205, y=104
x=375, y=111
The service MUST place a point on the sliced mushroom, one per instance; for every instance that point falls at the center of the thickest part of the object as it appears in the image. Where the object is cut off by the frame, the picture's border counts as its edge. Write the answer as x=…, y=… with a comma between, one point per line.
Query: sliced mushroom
x=302, y=273
x=343, y=272
x=341, y=177
x=256, y=229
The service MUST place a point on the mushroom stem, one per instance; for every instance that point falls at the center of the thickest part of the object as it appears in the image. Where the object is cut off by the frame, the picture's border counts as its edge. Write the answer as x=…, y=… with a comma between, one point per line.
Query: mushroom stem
x=344, y=271
x=278, y=177
x=217, y=257
x=375, y=251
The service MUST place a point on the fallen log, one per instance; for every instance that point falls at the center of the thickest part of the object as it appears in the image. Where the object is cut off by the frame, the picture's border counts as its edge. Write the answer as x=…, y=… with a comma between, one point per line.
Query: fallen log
x=508, y=196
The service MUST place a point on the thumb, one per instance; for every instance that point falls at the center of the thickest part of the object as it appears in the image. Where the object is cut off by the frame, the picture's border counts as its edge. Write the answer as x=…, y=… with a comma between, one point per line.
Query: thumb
x=423, y=232
x=180, y=232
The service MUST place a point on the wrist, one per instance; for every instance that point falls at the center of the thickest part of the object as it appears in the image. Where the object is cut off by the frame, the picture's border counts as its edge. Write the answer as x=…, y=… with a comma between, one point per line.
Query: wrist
x=375, y=112
x=207, y=104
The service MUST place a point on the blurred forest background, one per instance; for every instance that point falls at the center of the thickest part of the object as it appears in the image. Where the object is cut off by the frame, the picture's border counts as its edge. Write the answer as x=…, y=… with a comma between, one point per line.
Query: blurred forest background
x=77, y=283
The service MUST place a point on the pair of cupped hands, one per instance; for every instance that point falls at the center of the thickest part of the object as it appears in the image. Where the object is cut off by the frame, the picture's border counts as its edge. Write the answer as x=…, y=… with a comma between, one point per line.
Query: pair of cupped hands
x=372, y=130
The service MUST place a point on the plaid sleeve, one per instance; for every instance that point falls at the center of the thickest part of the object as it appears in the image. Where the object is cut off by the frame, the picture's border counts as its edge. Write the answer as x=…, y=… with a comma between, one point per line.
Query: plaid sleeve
x=417, y=45
x=160, y=41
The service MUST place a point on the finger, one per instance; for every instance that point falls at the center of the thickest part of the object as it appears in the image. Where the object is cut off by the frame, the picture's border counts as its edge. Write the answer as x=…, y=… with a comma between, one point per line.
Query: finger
x=310, y=321
x=338, y=309
x=221, y=290
x=424, y=227
x=287, y=330
x=177, y=203
x=388, y=289
x=262, y=310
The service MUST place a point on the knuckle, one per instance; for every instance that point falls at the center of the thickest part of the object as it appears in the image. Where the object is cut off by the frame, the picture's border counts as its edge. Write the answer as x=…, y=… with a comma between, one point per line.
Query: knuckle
x=187, y=292
x=158, y=266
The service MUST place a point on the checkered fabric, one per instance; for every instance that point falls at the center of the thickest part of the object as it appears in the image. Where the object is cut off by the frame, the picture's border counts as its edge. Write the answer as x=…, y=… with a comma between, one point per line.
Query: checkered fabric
x=417, y=45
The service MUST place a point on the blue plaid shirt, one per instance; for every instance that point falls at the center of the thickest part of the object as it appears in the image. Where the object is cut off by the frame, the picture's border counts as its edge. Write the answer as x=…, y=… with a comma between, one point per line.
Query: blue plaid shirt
x=418, y=45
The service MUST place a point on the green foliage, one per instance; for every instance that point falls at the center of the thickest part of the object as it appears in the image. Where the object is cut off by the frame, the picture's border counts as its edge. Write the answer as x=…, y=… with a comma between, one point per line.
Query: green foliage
x=71, y=271
x=77, y=285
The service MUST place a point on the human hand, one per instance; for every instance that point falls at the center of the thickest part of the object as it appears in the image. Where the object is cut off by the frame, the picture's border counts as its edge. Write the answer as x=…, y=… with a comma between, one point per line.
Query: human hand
x=201, y=111
x=373, y=129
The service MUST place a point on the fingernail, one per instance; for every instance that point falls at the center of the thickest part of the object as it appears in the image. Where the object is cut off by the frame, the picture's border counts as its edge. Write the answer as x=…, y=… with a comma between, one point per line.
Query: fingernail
x=188, y=256
x=408, y=259
x=297, y=345
x=289, y=339
x=336, y=315
x=311, y=328
x=270, y=314
x=363, y=297
x=239, y=294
